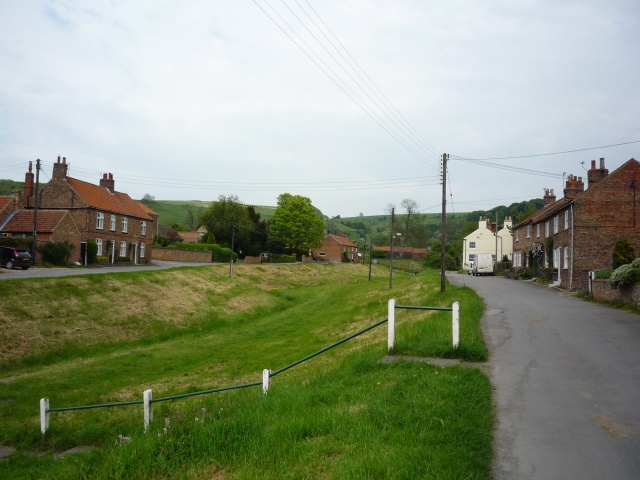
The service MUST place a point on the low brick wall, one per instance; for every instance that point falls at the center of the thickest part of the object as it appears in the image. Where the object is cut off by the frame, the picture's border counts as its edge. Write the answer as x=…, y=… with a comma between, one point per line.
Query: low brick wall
x=252, y=260
x=181, y=255
x=629, y=293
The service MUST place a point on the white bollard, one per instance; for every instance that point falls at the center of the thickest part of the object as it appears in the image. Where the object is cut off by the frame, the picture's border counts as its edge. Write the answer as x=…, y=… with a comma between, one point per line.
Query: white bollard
x=266, y=380
x=455, y=324
x=147, y=396
x=44, y=415
x=392, y=324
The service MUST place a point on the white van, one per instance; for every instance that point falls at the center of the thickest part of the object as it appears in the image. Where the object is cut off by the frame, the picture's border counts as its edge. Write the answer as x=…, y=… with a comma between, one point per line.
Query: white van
x=483, y=264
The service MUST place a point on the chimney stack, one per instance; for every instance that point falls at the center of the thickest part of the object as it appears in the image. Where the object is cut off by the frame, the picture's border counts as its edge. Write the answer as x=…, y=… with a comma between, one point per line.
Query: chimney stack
x=549, y=197
x=596, y=175
x=28, y=186
x=107, y=182
x=60, y=169
x=574, y=187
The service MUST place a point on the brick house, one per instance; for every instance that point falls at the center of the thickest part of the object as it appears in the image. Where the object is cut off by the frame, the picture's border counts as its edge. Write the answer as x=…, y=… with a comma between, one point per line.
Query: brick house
x=414, y=253
x=334, y=247
x=52, y=226
x=121, y=226
x=584, y=225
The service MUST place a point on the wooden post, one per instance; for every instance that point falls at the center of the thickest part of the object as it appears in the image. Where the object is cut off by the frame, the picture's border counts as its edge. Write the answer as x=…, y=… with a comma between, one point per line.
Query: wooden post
x=266, y=380
x=147, y=396
x=44, y=415
x=392, y=324
x=455, y=324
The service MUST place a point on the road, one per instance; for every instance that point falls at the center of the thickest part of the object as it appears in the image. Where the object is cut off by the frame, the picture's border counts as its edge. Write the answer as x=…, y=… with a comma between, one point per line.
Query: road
x=566, y=377
x=36, y=272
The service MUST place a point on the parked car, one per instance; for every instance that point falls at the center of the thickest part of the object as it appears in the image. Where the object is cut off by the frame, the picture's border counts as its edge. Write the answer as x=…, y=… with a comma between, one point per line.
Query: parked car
x=470, y=267
x=12, y=257
x=483, y=264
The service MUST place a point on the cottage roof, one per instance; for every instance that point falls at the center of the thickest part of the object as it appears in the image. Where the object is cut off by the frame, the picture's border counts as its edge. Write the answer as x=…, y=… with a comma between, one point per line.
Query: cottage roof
x=21, y=221
x=102, y=198
x=5, y=200
x=342, y=240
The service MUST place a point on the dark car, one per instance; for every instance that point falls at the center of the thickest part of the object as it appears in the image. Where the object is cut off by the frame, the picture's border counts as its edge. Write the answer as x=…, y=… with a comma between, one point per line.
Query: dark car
x=12, y=257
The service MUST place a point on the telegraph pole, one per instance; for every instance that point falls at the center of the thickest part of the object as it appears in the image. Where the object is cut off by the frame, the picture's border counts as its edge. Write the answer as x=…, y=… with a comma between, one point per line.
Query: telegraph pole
x=35, y=214
x=393, y=218
x=444, y=221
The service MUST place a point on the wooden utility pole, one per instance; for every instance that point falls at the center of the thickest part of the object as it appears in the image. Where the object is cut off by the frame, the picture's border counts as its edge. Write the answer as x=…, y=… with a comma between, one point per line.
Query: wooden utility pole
x=35, y=214
x=444, y=221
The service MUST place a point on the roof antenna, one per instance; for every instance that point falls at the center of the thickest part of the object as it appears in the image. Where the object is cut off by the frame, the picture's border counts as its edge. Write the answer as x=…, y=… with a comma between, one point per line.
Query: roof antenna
x=582, y=164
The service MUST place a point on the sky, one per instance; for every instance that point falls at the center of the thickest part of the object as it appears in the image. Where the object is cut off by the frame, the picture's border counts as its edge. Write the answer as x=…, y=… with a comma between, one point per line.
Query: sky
x=351, y=103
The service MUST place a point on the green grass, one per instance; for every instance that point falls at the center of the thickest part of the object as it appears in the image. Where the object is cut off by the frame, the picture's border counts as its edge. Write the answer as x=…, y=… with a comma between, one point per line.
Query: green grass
x=340, y=415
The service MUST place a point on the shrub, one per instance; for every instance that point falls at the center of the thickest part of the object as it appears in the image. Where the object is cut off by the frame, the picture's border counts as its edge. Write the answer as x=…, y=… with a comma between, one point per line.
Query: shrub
x=220, y=254
x=92, y=251
x=379, y=254
x=281, y=258
x=56, y=253
x=604, y=274
x=101, y=259
x=626, y=274
x=623, y=253
x=526, y=274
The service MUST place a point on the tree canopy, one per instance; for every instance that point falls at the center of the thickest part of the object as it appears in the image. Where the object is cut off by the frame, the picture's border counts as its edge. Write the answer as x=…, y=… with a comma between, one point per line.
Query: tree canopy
x=221, y=217
x=297, y=222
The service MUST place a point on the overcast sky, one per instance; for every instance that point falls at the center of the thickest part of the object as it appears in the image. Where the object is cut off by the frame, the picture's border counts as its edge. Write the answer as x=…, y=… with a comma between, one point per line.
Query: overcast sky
x=348, y=102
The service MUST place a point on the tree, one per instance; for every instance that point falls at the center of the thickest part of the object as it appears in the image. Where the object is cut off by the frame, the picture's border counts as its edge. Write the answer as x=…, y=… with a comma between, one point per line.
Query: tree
x=297, y=222
x=221, y=217
x=148, y=198
x=623, y=253
x=192, y=213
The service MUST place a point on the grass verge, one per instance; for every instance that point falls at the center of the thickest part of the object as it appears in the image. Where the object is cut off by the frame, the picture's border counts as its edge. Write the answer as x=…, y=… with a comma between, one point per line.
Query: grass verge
x=342, y=415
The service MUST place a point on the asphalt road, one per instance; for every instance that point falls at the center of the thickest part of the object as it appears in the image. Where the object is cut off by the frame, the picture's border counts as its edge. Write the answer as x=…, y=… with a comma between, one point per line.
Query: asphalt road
x=36, y=272
x=566, y=377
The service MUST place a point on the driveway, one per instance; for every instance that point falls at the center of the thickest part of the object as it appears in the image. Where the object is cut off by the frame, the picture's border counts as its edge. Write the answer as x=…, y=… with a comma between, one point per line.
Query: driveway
x=36, y=272
x=566, y=376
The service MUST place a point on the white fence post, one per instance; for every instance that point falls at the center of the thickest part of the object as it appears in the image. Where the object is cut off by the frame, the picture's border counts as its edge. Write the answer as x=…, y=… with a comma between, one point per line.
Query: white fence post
x=392, y=324
x=147, y=396
x=44, y=415
x=455, y=324
x=266, y=380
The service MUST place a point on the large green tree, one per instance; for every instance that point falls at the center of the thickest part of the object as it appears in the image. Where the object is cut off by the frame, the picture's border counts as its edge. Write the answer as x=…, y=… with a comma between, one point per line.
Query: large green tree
x=221, y=217
x=297, y=222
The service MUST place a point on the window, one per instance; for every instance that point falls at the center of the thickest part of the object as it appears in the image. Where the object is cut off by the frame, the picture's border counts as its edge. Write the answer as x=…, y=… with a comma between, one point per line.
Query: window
x=528, y=231
x=99, y=244
x=566, y=258
x=517, y=235
x=537, y=230
x=100, y=221
x=546, y=229
x=125, y=224
x=555, y=224
x=142, y=250
x=123, y=249
x=112, y=226
x=566, y=219
x=472, y=257
x=472, y=244
x=143, y=228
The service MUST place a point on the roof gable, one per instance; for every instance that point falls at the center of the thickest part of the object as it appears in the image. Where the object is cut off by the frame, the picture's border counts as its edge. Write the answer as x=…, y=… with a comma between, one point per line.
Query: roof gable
x=102, y=198
x=342, y=240
x=21, y=221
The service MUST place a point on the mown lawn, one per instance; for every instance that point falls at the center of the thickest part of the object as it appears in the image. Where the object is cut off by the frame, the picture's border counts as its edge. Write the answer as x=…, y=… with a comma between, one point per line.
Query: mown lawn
x=101, y=339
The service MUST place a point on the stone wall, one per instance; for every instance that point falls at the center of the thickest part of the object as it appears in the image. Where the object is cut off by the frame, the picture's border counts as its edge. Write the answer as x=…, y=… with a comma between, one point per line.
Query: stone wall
x=603, y=291
x=180, y=255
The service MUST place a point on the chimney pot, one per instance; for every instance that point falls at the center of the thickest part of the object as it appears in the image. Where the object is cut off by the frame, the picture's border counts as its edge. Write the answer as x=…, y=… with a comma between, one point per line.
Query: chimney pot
x=64, y=160
x=602, y=164
x=111, y=176
x=58, y=158
x=593, y=164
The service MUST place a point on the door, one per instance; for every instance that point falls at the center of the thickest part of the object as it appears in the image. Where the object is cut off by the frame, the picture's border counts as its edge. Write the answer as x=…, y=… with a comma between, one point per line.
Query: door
x=83, y=253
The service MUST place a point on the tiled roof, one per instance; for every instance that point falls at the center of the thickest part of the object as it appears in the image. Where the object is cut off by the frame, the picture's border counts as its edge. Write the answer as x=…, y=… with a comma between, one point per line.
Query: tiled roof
x=5, y=200
x=545, y=211
x=190, y=237
x=103, y=199
x=22, y=221
x=342, y=240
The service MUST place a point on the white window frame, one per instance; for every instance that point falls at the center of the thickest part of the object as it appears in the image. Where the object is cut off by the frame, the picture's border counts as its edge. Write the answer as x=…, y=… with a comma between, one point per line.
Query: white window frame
x=547, y=230
x=100, y=221
x=123, y=249
x=555, y=224
x=125, y=225
x=143, y=228
x=518, y=235
x=537, y=230
x=112, y=225
x=566, y=219
x=529, y=231
x=566, y=258
x=142, y=250
x=99, y=244
x=472, y=244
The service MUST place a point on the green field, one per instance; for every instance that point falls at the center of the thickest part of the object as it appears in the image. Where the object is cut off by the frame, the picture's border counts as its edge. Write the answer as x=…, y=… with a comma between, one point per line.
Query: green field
x=106, y=338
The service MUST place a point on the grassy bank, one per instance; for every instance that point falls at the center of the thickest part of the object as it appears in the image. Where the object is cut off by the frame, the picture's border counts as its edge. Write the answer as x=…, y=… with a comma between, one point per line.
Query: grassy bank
x=100, y=339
